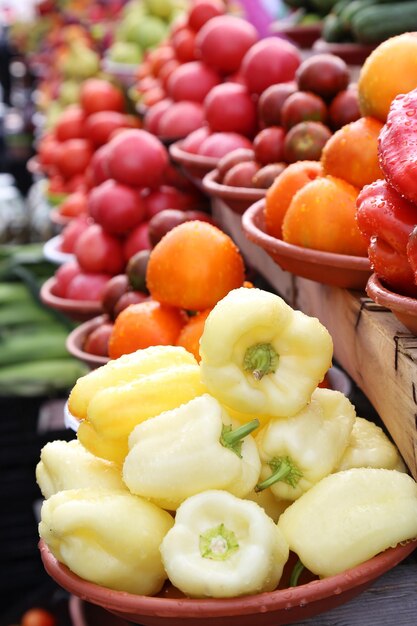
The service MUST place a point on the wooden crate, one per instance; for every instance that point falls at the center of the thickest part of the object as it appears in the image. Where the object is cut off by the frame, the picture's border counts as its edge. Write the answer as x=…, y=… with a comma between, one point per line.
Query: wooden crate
x=370, y=344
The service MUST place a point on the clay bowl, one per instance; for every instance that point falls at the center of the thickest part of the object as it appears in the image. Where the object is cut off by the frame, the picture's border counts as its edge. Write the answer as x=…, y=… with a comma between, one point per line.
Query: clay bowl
x=238, y=199
x=53, y=253
x=194, y=166
x=303, y=36
x=403, y=307
x=351, y=53
x=77, y=310
x=76, y=340
x=283, y=606
x=338, y=270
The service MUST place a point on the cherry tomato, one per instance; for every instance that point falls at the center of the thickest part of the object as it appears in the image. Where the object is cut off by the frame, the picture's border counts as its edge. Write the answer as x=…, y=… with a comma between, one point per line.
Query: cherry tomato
x=38, y=617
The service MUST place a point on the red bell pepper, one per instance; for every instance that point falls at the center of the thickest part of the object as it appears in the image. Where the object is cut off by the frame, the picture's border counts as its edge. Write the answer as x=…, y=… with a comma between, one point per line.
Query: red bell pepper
x=386, y=220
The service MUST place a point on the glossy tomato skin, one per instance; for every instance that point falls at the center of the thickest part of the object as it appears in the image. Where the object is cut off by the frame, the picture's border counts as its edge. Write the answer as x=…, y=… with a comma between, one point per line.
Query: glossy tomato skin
x=74, y=156
x=181, y=119
x=230, y=108
x=70, y=124
x=97, y=342
x=269, y=61
x=117, y=208
x=137, y=158
x=137, y=240
x=392, y=267
x=202, y=11
x=192, y=81
x=72, y=231
x=63, y=276
x=223, y=42
x=97, y=94
x=269, y=145
x=411, y=251
x=87, y=286
x=218, y=144
x=99, y=252
x=99, y=126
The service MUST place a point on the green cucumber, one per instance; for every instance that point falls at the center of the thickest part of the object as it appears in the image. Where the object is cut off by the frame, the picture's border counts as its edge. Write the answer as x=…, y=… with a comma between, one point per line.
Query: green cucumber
x=374, y=24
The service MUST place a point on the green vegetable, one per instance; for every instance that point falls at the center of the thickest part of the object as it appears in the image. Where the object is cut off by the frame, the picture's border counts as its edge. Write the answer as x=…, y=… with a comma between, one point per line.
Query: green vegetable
x=39, y=378
x=374, y=24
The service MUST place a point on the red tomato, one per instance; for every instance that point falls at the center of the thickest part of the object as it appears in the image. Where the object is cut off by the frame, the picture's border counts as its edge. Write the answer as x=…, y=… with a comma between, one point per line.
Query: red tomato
x=135, y=157
x=87, y=286
x=71, y=232
x=74, y=155
x=223, y=42
x=202, y=11
x=118, y=208
x=70, y=124
x=392, y=267
x=99, y=252
x=192, y=81
x=183, y=42
x=48, y=151
x=64, y=275
x=137, y=240
x=181, y=119
x=97, y=94
x=230, y=108
x=97, y=342
x=99, y=126
x=98, y=167
x=75, y=204
x=153, y=115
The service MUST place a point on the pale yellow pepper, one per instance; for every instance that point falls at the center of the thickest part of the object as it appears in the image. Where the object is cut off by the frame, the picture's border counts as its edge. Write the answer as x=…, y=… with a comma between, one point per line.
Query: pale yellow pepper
x=222, y=546
x=190, y=449
x=113, y=412
x=126, y=368
x=68, y=465
x=298, y=451
x=259, y=356
x=369, y=446
x=106, y=537
x=349, y=517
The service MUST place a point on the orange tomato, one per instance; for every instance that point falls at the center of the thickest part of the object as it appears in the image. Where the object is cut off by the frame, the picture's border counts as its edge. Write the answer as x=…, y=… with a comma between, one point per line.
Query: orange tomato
x=189, y=337
x=148, y=323
x=194, y=266
x=282, y=191
x=38, y=617
x=321, y=216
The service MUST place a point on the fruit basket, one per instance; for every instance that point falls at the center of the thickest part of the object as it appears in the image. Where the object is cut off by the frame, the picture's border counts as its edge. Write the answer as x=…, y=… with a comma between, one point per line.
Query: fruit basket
x=339, y=270
x=283, y=606
x=76, y=340
x=195, y=166
x=404, y=308
x=237, y=198
x=78, y=310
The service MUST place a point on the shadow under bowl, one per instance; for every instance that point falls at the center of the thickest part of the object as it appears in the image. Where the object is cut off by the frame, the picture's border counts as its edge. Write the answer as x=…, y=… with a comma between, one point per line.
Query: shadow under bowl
x=403, y=307
x=351, y=53
x=328, y=268
x=194, y=166
x=282, y=606
x=303, y=36
x=76, y=340
x=77, y=310
x=238, y=199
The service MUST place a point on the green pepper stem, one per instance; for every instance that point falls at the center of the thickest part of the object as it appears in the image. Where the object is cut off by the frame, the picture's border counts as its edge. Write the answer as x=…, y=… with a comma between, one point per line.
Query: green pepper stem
x=261, y=359
x=283, y=469
x=295, y=574
x=232, y=438
x=218, y=543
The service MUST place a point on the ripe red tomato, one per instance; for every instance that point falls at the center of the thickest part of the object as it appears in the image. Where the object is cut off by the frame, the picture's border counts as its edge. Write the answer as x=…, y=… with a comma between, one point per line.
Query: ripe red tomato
x=70, y=123
x=137, y=158
x=153, y=115
x=99, y=126
x=270, y=60
x=97, y=94
x=230, y=108
x=97, y=342
x=118, y=208
x=74, y=155
x=98, y=167
x=183, y=42
x=137, y=240
x=218, y=144
x=202, y=11
x=181, y=119
x=71, y=232
x=99, y=252
x=87, y=286
x=223, y=42
x=191, y=81
x=74, y=205
x=63, y=276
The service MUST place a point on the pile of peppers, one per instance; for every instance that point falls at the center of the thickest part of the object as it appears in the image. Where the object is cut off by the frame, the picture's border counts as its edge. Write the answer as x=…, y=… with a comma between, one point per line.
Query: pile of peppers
x=209, y=474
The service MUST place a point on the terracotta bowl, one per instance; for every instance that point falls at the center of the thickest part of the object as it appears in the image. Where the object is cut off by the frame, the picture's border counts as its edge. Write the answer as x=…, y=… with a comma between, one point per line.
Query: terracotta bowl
x=338, y=270
x=53, y=253
x=351, y=53
x=302, y=36
x=195, y=166
x=77, y=337
x=283, y=606
x=78, y=310
x=238, y=199
x=403, y=307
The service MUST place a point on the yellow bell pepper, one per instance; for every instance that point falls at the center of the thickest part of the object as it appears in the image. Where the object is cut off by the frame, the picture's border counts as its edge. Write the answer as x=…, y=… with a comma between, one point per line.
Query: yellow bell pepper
x=260, y=356
x=115, y=411
x=125, y=369
x=349, y=517
x=68, y=465
x=274, y=507
x=298, y=451
x=106, y=537
x=221, y=546
x=369, y=446
x=189, y=449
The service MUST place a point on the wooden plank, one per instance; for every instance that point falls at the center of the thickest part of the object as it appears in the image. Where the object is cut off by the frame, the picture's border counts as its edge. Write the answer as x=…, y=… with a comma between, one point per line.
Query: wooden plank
x=370, y=344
